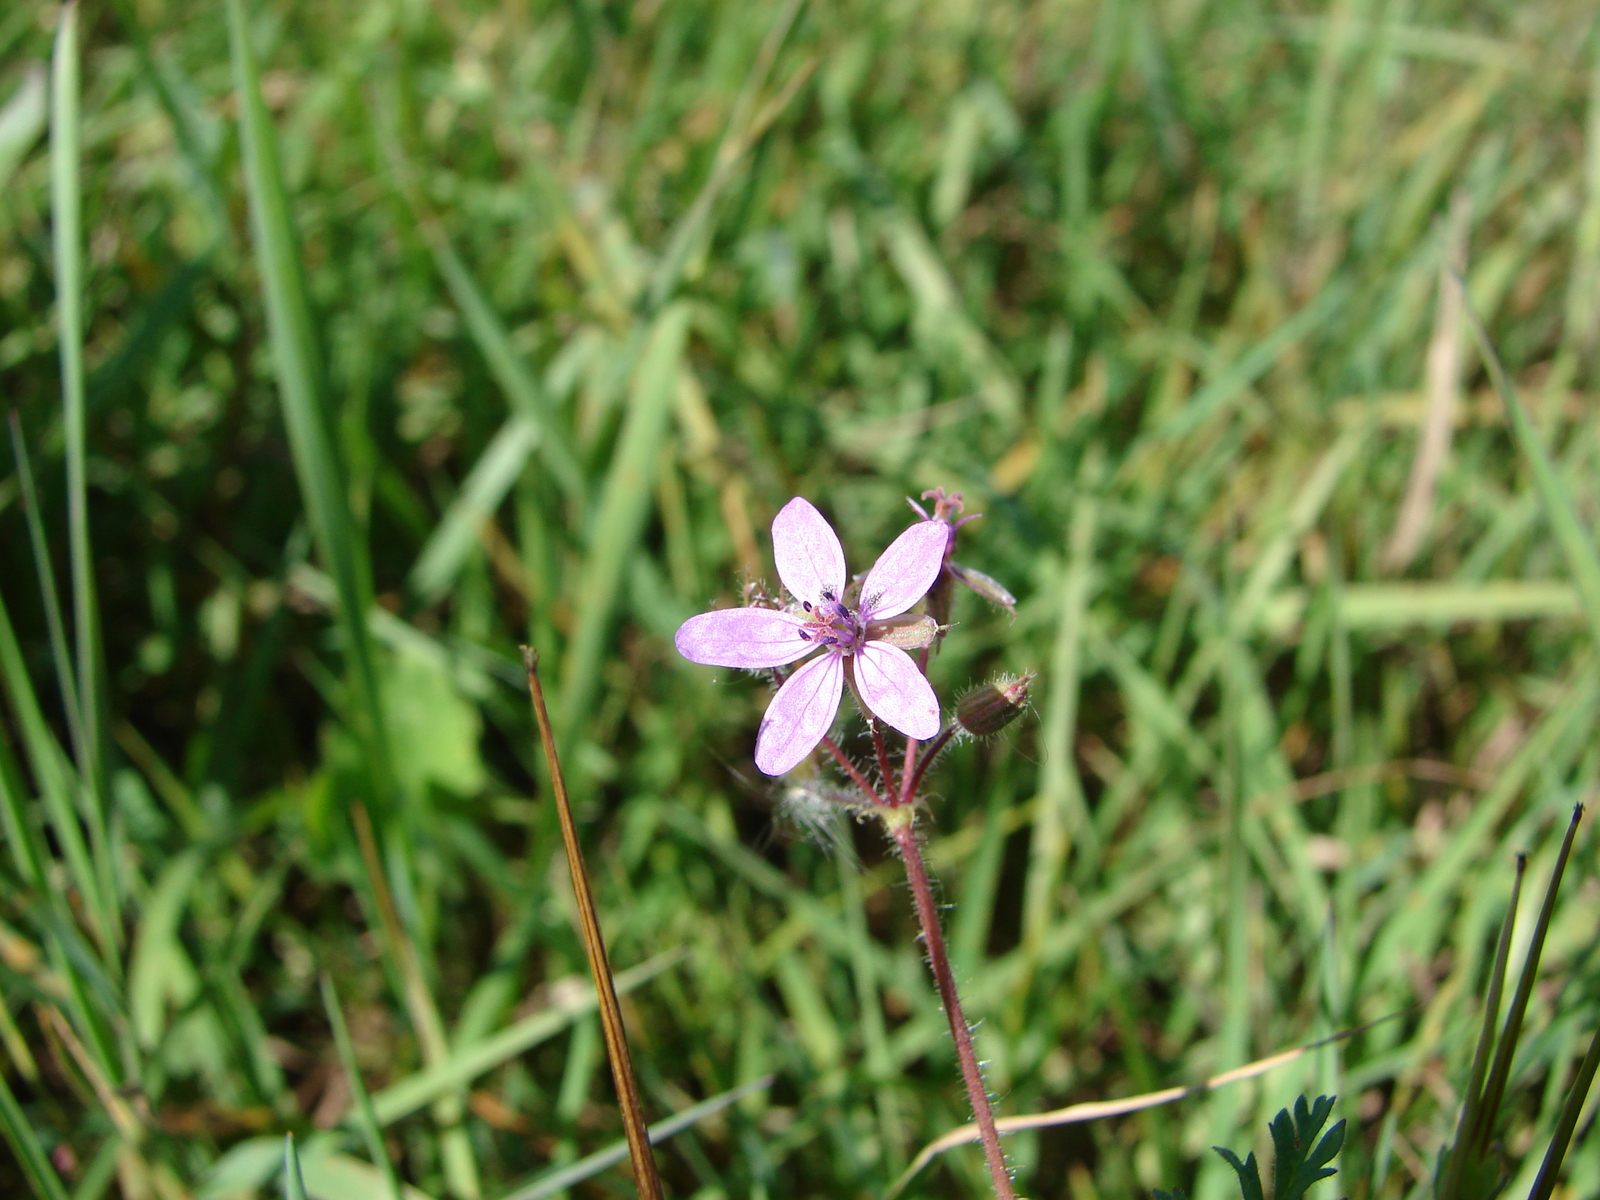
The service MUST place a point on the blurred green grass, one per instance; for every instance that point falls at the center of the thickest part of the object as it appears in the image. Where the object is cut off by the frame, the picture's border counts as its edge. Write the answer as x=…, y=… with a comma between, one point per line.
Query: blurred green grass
x=560, y=304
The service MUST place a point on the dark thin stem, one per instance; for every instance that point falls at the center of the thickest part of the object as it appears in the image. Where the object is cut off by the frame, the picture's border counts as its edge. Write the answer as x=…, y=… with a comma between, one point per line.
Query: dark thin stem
x=883, y=760
x=898, y=823
x=850, y=769
x=938, y=744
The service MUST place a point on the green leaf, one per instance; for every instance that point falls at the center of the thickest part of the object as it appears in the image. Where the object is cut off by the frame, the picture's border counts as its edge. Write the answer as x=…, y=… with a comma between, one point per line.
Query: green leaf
x=1249, y=1175
x=435, y=729
x=1296, y=1165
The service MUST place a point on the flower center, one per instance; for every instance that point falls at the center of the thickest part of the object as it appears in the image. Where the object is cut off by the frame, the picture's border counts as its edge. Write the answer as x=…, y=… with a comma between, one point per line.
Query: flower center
x=831, y=623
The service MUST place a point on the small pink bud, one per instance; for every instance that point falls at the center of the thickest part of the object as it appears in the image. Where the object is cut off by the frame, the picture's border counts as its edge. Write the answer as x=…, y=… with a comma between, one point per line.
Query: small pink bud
x=990, y=708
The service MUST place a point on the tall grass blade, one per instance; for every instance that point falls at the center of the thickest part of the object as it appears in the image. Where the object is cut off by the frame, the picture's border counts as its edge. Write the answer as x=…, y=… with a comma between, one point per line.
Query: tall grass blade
x=36, y=1167
x=1061, y=815
x=1577, y=544
x=1450, y=1186
x=559, y=1181
x=294, y=1184
x=455, y=1148
x=466, y=1063
x=1500, y=1071
x=744, y=128
x=528, y=401
x=459, y=531
x=47, y=586
x=366, y=1118
x=624, y=507
x=22, y=120
x=52, y=775
x=298, y=370
x=644, y=1163
x=66, y=208
x=1571, y=1109
x=27, y=854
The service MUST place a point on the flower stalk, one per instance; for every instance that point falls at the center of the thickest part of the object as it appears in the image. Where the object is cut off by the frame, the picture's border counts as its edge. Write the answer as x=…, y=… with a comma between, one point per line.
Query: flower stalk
x=898, y=823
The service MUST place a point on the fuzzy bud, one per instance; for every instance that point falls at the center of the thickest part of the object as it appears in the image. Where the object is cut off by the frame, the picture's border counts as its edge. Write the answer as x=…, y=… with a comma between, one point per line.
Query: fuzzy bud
x=990, y=708
x=990, y=589
x=909, y=631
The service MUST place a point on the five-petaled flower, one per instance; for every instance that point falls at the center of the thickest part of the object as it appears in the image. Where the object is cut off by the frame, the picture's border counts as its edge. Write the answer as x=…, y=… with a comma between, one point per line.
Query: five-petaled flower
x=862, y=643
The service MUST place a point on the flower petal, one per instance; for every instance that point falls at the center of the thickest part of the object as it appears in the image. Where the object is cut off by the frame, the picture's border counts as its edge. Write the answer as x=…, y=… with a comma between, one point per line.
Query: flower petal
x=743, y=637
x=800, y=714
x=896, y=692
x=809, y=557
x=905, y=571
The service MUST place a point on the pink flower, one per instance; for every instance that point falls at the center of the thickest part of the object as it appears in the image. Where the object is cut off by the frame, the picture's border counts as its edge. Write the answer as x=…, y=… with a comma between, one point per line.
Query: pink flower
x=862, y=643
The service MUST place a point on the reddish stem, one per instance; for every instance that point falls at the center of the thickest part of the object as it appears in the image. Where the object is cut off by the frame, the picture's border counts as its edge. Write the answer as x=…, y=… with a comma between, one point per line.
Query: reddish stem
x=883, y=760
x=899, y=826
x=934, y=747
x=853, y=771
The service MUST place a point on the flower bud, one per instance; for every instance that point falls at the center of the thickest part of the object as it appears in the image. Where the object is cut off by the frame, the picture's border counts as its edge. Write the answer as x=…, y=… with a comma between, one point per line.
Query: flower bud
x=990, y=589
x=909, y=631
x=990, y=708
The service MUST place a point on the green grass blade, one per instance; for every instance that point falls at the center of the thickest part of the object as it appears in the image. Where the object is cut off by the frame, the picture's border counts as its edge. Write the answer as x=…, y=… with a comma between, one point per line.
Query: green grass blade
x=1577, y=545
x=1060, y=814
x=486, y=485
x=366, y=1118
x=22, y=120
x=47, y=585
x=527, y=397
x=31, y=1157
x=297, y=366
x=67, y=244
x=466, y=1063
x=624, y=507
x=1500, y=1070
x=26, y=852
x=1571, y=1109
x=1460, y=1151
x=1226, y=387
x=52, y=774
x=559, y=1181
x=294, y=1184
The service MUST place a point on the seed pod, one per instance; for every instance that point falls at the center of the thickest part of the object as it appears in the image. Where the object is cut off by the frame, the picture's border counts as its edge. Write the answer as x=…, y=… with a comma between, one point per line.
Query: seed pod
x=990, y=708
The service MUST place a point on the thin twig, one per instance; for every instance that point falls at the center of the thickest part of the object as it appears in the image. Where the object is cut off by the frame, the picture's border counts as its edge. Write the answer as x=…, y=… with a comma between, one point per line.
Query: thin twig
x=644, y=1163
x=850, y=769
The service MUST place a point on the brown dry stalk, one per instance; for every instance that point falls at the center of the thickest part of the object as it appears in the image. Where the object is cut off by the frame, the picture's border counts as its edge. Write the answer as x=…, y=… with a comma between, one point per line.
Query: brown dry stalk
x=644, y=1163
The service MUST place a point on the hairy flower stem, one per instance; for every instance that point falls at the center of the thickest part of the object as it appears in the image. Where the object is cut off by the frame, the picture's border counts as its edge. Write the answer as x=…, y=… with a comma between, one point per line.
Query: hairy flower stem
x=914, y=780
x=909, y=773
x=897, y=821
x=883, y=762
x=850, y=769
